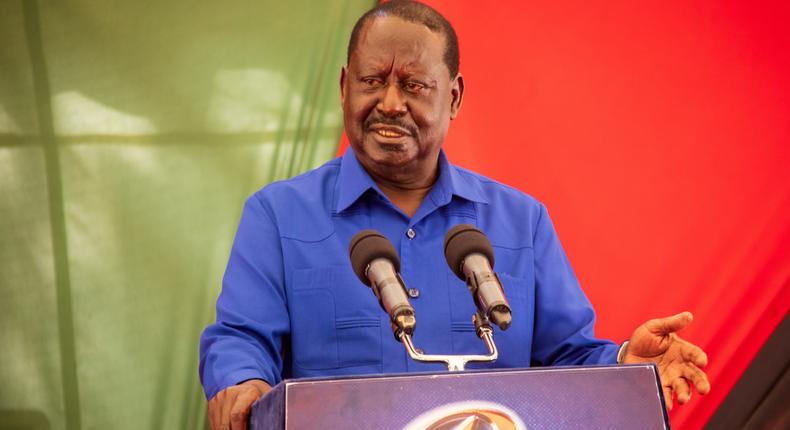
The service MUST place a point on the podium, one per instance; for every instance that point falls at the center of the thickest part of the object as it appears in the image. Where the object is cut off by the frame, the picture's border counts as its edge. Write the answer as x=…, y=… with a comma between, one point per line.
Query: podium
x=597, y=397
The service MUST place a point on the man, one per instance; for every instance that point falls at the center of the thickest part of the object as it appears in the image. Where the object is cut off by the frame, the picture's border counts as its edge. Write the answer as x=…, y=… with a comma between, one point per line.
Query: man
x=290, y=304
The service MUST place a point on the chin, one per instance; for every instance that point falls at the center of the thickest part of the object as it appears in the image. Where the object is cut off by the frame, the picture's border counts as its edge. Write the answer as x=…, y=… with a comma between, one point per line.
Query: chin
x=394, y=159
x=390, y=154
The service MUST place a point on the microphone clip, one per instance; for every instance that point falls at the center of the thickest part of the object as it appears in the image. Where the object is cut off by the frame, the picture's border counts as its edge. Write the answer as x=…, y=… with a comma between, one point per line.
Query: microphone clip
x=497, y=310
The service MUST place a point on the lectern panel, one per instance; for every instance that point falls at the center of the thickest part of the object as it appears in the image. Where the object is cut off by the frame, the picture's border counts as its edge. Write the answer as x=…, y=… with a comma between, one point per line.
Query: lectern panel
x=605, y=397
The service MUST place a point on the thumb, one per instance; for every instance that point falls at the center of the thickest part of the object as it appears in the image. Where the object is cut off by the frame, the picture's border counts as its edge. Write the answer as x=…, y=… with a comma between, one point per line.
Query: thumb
x=665, y=326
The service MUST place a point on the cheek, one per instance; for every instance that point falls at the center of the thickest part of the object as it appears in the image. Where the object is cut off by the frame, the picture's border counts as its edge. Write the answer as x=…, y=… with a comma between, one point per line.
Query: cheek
x=434, y=107
x=432, y=118
x=360, y=106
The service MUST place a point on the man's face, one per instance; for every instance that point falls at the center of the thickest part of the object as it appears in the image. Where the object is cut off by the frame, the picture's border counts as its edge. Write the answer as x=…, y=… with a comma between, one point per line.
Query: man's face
x=398, y=99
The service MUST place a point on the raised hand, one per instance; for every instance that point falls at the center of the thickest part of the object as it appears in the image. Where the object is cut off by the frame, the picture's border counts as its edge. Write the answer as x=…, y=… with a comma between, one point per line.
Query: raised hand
x=679, y=362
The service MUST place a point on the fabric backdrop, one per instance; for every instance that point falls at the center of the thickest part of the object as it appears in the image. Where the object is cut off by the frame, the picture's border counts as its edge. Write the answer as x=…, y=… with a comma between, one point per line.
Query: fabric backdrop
x=130, y=135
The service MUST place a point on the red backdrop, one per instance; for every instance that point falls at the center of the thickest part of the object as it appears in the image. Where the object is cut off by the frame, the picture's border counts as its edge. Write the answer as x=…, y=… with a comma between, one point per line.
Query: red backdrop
x=658, y=135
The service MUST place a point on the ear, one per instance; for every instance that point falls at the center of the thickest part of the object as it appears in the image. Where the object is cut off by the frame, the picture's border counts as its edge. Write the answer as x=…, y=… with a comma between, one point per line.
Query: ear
x=457, y=93
x=343, y=74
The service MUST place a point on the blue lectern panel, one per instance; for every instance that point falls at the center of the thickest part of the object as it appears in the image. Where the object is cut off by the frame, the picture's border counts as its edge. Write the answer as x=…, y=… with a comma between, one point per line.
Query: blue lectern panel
x=608, y=397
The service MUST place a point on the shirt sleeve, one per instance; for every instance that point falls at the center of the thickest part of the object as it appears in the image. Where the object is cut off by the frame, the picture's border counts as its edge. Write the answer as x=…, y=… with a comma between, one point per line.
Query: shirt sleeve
x=564, y=318
x=245, y=342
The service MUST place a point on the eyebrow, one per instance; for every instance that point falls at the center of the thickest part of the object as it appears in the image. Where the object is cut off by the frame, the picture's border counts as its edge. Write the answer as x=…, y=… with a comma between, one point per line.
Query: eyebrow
x=377, y=68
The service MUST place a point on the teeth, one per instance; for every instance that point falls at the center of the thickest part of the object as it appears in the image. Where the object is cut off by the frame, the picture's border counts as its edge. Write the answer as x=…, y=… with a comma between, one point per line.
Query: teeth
x=389, y=133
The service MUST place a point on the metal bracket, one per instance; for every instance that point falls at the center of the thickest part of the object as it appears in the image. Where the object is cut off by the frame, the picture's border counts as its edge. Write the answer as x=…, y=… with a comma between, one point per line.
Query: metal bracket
x=455, y=363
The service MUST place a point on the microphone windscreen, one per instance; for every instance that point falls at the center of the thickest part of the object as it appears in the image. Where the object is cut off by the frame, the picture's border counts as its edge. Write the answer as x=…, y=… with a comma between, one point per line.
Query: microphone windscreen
x=366, y=246
x=462, y=240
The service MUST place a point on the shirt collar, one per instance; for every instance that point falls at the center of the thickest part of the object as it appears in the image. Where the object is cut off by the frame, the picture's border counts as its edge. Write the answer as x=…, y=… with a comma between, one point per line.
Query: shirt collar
x=452, y=182
x=353, y=181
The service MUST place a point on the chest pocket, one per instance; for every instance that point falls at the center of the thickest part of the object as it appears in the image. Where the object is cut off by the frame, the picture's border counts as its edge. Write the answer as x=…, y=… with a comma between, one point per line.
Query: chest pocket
x=335, y=320
x=515, y=343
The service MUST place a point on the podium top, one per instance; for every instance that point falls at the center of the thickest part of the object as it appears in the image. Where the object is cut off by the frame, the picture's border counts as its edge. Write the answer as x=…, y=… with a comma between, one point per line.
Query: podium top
x=583, y=397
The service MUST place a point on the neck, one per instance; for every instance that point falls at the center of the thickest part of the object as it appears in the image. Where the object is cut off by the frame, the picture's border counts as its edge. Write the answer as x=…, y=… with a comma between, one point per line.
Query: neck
x=407, y=195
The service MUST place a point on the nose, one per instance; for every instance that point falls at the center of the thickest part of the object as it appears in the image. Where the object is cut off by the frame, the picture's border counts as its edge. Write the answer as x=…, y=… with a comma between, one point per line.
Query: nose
x=392, y=102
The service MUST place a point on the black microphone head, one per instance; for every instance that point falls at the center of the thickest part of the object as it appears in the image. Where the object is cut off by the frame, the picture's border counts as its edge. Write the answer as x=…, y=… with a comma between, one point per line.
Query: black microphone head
x=462, y=240
x=366, y=246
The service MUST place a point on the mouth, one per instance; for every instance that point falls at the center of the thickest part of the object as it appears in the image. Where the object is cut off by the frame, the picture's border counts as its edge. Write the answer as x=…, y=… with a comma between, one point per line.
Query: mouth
x=389, y=131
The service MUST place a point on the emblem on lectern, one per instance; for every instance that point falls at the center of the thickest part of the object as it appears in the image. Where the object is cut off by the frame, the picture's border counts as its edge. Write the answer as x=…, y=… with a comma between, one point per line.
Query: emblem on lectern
x=471, y=415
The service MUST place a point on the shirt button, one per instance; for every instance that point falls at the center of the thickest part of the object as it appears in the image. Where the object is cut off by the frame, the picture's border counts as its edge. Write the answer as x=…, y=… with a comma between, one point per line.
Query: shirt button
x=414, y=293
x=410, y=233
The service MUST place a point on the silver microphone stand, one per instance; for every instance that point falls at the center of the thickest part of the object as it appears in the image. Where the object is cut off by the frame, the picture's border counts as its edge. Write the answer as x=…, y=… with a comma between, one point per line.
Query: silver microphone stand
x=456, y=363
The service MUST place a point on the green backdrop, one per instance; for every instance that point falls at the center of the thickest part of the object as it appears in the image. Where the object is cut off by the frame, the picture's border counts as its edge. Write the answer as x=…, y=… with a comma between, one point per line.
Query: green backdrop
x=130, y=135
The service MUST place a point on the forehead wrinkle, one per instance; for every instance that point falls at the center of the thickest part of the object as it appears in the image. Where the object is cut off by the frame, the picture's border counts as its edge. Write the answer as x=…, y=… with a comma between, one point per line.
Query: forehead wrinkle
x=375, y=64
x=413, y=58
x=384, y=49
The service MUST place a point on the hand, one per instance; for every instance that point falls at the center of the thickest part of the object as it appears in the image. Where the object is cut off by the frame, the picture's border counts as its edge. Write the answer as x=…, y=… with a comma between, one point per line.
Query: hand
x=230, y=408
x=679, y=362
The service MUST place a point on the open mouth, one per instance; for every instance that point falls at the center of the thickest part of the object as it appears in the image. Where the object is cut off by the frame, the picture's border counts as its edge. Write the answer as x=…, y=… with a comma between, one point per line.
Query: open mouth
x=389, y=133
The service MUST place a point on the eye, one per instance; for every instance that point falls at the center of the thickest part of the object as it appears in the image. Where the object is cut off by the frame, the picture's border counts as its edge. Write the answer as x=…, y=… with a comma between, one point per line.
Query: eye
x=371, y=82
x=413, y=86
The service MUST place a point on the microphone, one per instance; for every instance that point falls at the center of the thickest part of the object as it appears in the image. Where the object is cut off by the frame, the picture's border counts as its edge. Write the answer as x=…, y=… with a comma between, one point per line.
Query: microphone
x=377, y=265
x=470, y=256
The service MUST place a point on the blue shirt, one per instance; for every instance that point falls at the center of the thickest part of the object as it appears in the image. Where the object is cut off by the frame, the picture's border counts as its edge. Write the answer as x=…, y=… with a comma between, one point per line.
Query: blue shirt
x=292, y=307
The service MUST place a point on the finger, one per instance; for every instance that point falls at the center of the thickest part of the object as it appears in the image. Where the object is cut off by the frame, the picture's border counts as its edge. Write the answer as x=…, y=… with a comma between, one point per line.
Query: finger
x=694, y=354
x=664, y=326
x=214, y=410
x=230, y=398
x=667, y=397
x=697, y=377
x=681, y=388
x=241, y=409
